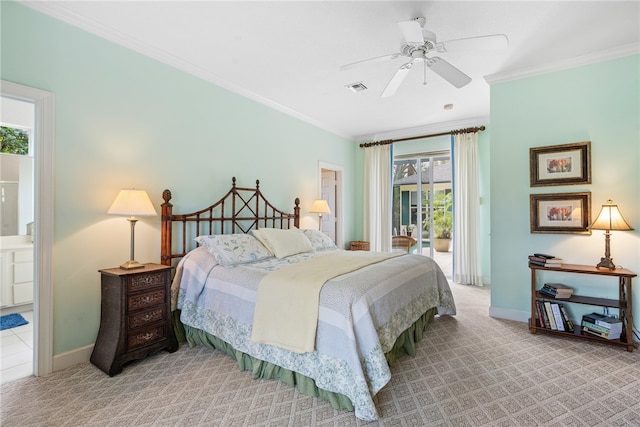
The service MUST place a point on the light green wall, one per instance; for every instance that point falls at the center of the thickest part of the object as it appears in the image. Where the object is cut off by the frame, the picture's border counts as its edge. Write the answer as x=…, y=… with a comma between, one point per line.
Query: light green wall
x=597, y=103
x=125, y=120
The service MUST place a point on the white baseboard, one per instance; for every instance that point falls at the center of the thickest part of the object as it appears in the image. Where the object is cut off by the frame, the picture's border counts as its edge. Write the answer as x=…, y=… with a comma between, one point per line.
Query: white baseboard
x=71, y=358
x=509, y=314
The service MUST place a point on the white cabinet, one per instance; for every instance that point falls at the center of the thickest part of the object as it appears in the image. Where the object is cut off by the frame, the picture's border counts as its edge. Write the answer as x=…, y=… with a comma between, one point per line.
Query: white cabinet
x=16, y=272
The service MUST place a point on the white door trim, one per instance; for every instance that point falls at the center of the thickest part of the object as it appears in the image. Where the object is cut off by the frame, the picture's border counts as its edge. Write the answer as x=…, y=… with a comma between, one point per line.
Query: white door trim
x=43, y=216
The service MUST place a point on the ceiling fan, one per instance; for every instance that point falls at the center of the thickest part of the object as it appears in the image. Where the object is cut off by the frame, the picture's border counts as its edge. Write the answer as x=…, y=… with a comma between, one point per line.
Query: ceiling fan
x=419, y=43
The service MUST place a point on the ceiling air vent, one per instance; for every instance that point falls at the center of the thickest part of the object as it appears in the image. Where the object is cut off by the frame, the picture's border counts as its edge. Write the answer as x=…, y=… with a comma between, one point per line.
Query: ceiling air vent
x=356, y=87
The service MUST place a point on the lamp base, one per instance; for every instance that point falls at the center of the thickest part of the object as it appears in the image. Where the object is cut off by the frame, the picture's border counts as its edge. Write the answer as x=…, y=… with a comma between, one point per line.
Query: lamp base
x=607, y=263
x=130, y=265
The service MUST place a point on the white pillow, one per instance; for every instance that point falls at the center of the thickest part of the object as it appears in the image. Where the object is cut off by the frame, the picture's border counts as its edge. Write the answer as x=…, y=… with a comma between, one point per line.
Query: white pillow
x=319, y=240
x=258, y=235
x=283, y=243
x=234, y=249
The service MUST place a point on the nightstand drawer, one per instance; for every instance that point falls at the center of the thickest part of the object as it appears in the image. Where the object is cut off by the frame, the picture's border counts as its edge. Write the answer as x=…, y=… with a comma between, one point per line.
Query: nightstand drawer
x=137, y=302
x=148, y=336
x=145, y=318
x=141, y=282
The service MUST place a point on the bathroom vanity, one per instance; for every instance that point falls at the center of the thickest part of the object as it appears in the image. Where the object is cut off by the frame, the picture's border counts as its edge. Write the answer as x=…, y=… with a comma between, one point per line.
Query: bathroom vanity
x=16, y=270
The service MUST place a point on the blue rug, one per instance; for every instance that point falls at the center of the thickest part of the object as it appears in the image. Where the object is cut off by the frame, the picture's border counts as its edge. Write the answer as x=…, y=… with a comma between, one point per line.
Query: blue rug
x=11, y=321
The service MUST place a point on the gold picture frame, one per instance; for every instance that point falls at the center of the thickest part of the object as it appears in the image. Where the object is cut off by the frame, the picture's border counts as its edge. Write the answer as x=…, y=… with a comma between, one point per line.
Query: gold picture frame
x=561, y=213
x=565, y=164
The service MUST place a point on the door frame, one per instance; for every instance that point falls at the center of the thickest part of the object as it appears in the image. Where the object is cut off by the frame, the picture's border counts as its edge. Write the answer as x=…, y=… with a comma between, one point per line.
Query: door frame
x=43, y=148
x=339, y=197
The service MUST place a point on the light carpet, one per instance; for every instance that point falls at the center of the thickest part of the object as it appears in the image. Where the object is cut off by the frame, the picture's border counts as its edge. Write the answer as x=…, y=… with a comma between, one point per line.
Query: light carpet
x=470, y=370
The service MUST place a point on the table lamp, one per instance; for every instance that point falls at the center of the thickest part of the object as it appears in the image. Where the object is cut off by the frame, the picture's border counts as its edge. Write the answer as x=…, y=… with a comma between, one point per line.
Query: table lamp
x=609, y=219
x=132, y=203
x=320, y=207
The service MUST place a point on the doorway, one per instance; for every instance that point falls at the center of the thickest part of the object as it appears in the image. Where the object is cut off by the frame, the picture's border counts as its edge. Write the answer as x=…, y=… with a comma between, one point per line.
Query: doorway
x=423, y=205
x=331, y=190
x=16, y=243
x=42, y=231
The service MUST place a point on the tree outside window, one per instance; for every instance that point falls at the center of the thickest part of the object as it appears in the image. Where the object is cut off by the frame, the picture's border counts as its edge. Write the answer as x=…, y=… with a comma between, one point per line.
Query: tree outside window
x=14, y=141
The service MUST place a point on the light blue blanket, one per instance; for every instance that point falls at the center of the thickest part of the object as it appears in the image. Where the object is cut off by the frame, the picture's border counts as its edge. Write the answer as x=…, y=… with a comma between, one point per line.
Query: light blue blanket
x=361, y=315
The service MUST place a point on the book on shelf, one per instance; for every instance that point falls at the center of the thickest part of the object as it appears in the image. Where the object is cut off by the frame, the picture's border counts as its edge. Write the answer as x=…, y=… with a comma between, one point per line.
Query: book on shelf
x=553, y=316
x=597, y=334
x=604, y=326
x=595, y=328
x=545, y=261
x=541, y=255
x=601, y=319
x=557, y=316
x=552, y=319
x=606, y=335
x=557, y=290
x=565, y=317
x=560, y=287
x=551, y=294
x=541, y=312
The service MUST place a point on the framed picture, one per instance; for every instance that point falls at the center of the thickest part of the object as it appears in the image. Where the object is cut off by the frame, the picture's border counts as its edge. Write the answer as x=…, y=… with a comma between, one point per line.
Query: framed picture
x=566, y=164
x=561, y=213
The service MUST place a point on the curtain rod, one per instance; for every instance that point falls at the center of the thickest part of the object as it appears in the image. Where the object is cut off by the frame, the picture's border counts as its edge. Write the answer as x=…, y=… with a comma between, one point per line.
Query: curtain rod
x=451, y=132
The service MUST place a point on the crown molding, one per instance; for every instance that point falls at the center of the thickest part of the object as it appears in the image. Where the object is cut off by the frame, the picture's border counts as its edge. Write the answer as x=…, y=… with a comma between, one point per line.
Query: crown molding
x=59, y=12
x=578, y=61
x=425, y=130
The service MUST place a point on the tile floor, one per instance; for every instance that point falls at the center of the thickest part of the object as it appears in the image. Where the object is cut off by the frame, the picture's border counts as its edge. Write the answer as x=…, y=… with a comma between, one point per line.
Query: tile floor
x=16, y=351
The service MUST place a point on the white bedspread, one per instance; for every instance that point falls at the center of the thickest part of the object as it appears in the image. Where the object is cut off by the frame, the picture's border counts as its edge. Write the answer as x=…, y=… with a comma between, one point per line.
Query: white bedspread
x=361, y=314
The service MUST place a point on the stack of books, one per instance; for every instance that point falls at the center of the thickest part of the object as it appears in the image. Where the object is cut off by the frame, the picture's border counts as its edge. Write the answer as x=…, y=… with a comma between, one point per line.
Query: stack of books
x=556, y=290
x=545, y=260
x=606, y=327
x=553, y=316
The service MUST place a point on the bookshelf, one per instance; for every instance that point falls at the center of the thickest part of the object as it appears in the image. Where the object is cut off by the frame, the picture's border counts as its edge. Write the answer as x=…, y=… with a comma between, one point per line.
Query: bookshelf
x=623, y=303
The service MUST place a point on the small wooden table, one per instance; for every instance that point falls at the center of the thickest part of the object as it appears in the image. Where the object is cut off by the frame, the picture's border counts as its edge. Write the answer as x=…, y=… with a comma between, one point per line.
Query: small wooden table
x=624, y=302
x=135, y=319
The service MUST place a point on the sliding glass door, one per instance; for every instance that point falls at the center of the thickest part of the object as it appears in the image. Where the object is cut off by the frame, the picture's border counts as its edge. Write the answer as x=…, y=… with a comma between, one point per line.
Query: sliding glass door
x=422, y=203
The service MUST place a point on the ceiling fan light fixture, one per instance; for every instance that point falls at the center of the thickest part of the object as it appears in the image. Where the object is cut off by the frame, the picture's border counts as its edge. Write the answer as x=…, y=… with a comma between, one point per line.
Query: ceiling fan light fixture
x=356, y=87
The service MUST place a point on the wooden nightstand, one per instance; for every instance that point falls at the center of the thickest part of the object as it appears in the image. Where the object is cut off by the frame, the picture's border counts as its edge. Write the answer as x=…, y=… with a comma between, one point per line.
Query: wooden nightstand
x=135, y=319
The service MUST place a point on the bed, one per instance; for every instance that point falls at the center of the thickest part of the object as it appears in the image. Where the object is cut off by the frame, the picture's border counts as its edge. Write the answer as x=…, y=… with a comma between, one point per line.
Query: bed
x=365, y=315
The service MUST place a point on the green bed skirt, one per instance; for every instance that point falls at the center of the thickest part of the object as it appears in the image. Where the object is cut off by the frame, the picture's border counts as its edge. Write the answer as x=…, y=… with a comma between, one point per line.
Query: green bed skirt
x=261, y=369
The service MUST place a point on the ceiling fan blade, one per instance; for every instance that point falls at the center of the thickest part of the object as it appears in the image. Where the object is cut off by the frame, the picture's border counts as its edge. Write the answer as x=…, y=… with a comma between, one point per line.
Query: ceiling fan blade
x=397, y=80
x=448, y=72
x=370, y=61
x=411, y=31
x=492, y=42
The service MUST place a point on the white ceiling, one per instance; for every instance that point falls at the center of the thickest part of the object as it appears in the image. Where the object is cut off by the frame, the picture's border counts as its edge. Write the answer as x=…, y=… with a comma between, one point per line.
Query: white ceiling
x=288, y=54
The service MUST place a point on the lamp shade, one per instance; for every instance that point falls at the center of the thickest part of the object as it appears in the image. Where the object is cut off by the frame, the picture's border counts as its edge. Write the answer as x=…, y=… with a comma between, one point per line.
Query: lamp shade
x=132, y=202
x=610, y=218
x=320, y=206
